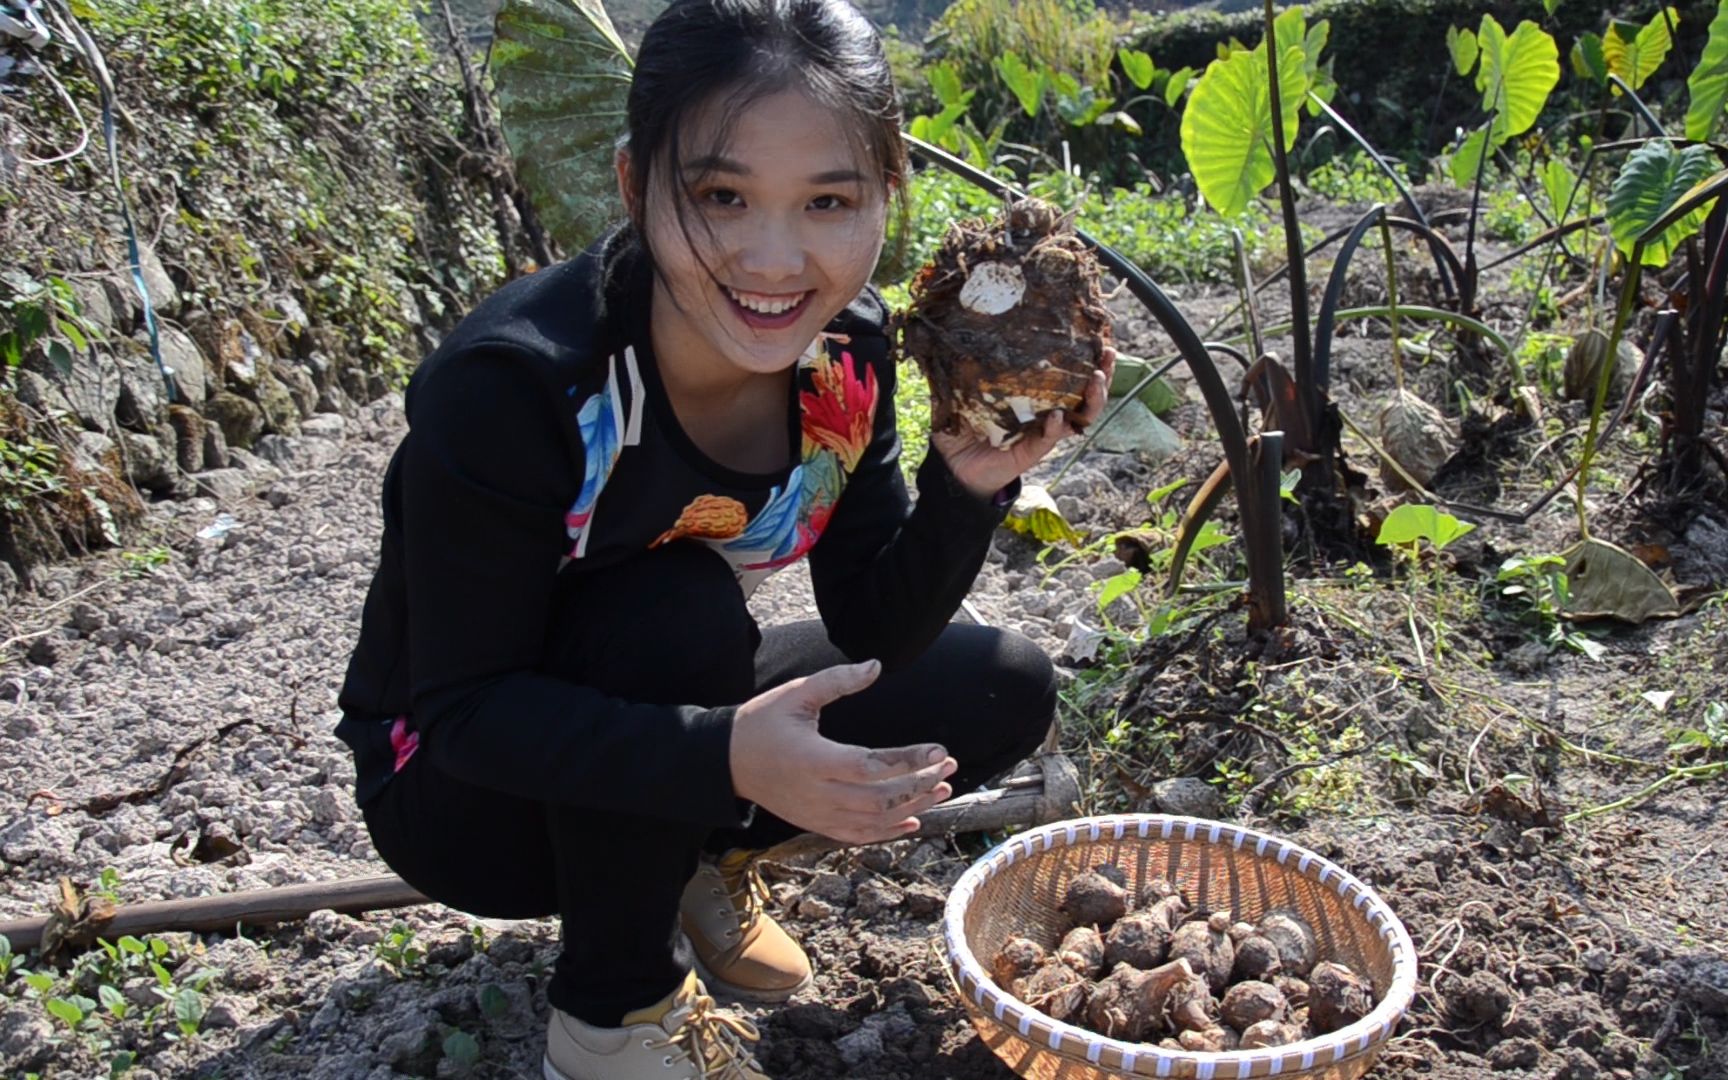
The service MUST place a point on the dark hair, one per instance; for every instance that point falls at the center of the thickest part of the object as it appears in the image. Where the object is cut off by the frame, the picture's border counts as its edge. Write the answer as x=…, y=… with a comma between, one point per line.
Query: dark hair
x=745, y=50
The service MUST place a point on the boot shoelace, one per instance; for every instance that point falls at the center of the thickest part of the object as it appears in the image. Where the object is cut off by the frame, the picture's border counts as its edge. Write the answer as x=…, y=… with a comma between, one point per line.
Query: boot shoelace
x=713, y=1040
x=748, y=893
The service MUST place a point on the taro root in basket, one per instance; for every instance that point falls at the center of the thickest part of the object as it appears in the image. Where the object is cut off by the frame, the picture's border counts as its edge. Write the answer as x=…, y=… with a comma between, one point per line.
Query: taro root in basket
x=1233, y=886
x=1007, y=322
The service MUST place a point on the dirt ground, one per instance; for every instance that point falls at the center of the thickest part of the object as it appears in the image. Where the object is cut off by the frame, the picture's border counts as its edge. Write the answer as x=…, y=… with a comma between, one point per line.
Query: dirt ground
x=168, y=716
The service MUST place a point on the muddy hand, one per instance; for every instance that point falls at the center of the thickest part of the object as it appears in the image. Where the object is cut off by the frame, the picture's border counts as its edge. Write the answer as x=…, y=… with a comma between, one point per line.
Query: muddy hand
x=854, y=794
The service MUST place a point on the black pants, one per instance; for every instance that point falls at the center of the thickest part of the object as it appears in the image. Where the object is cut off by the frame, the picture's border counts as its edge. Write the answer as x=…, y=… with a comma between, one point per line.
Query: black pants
x=671, y=627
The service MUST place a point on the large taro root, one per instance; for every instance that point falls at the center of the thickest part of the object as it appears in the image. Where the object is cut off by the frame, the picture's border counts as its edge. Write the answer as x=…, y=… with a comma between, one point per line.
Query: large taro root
x=1188, y=1004
x=1083, y=950
x=1094, y=899
x=1297, y=947
x=1055, y=989
x=1140, y=939
x=1205, y=944
x=1337, y=997
x=1256, y=958
x=1270, y=1033
x=1019, y=958
x=1130, y=1003
x=1008, y=322
x=1249, y=1002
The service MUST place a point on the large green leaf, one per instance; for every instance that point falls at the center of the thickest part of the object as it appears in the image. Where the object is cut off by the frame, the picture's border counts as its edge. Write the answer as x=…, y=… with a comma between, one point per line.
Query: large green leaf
x=1588, y=60
x=1138, y=66
x=1708, y=85
x=1654, y=178
x=1227, y=125
x=1028, y=85
x=945, y=84
x=1560, y=183
x=1179, y=80
x=563, y=76
x=1467, y=159
x=1462, y=45
x=1635, y=52
x=1517, y=73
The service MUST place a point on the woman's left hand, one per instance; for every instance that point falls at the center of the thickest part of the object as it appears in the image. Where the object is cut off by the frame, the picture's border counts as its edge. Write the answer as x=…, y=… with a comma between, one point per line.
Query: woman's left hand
x=985, y=469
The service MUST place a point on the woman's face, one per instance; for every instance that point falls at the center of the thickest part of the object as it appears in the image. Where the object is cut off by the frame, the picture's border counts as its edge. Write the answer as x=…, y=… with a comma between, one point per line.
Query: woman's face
x=789, y=222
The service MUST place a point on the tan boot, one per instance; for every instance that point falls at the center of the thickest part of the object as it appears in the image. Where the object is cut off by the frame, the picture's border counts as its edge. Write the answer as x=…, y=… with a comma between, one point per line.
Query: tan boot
x=740, y=950
x=683, y=1037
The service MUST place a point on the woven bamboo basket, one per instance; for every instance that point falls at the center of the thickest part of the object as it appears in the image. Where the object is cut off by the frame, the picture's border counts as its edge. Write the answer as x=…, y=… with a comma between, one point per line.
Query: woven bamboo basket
x=1015, y=889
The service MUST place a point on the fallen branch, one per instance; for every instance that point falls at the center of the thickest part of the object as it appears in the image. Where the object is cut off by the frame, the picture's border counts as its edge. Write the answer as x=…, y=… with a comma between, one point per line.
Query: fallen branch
x=1047, y=788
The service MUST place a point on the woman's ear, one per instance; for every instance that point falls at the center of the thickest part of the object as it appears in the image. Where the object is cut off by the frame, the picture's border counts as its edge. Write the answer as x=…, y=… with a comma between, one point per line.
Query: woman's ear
x=622, y=165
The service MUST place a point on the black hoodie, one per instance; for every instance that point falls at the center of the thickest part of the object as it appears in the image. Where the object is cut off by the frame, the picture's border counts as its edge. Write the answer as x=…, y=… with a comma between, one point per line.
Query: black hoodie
x=541, y=445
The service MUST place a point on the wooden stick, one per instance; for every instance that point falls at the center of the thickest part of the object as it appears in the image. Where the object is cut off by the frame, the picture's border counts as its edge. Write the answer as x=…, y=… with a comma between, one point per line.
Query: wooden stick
x=1045, y=789
x=258, y=907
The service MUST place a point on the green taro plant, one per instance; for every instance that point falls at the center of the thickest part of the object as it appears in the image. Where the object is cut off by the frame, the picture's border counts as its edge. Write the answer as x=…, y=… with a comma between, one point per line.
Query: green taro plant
x=1407, y=530
x=1535, y=586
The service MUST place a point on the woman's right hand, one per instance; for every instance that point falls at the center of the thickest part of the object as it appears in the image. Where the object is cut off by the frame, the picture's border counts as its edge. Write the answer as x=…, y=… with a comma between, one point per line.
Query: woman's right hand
x=853, y=794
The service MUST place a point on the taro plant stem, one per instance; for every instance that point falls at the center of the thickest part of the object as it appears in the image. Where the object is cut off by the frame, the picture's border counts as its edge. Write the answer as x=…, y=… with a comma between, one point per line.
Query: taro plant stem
x=1301, y=345
x=1392, y=301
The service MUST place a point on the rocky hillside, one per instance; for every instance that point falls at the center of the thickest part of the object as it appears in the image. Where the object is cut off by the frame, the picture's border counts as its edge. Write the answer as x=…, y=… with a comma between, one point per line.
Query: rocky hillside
x=309, y=213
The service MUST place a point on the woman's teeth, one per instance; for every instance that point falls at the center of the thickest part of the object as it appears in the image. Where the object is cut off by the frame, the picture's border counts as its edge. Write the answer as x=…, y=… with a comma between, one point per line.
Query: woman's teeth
x=767, y=305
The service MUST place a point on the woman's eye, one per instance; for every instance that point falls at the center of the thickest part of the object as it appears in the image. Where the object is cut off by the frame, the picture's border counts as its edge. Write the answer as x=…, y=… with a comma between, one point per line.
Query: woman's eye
x=828, y=202
x=723, y=197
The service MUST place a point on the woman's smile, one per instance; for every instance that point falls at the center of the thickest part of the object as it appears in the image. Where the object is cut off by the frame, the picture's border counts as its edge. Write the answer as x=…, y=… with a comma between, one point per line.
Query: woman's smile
x=761, y=311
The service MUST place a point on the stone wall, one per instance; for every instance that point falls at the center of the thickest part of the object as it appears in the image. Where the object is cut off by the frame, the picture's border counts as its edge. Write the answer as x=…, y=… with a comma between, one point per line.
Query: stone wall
x=306, y=238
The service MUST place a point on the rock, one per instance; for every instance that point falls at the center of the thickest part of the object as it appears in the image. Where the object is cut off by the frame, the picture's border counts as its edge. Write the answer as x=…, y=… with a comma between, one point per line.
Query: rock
x=926, y=857
x=1482, y=998
x=815, y=908
x=243, y=361
x=324, y=426
x=243, y=964
x=164, y=297
x=92, y=303
x=924, y=900
x=143, y=394
x=227, y=1012
x=1515, y=1054
x=328, y=1016
x=188, y=429
x=87, y=617
x=147, y=462
x=240, y=421
x=860, y=1046
x=1575, y=1064
x=36, y=392
x=93, y=451
x=215, y=448
x=92, y=388
x=511, y=949
x=25, y=1036
x=875, y=895
x=293, y=455
x=281, y=414
x=8, y=584
x=1189, y=796
x=180, y=354
x=298, y=382
x=829, y=886
x=331, y=399
x=44, y=651
x=227, y=485
x=1136, y=430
